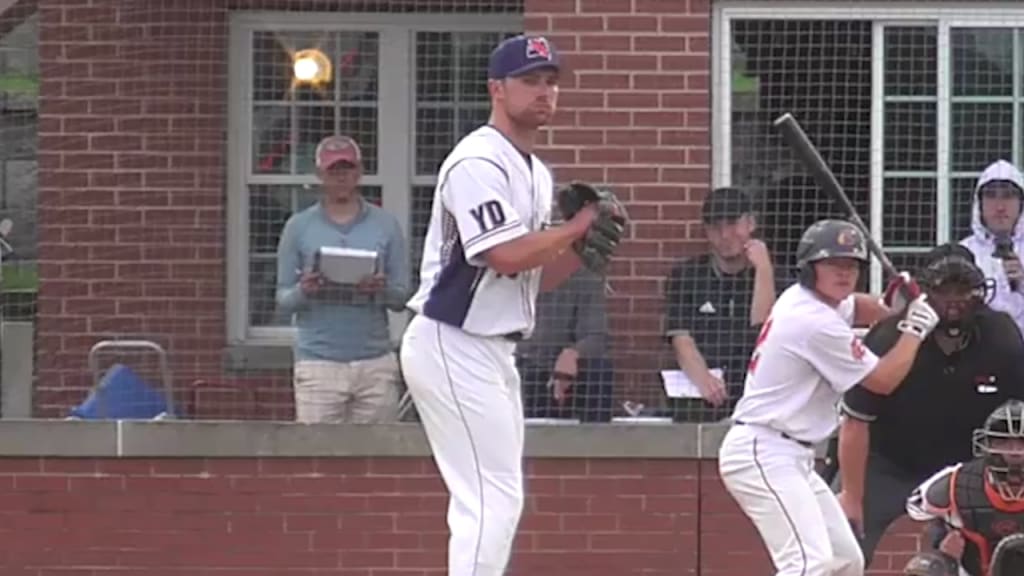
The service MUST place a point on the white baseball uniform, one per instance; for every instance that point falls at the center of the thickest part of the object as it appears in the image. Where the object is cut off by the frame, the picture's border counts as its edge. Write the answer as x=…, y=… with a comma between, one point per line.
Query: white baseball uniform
x=805, y=358
x=457, y=353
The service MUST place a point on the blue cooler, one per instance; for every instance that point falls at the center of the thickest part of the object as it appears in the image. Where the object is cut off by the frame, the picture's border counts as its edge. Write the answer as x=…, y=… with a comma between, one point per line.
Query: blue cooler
x=122, y=395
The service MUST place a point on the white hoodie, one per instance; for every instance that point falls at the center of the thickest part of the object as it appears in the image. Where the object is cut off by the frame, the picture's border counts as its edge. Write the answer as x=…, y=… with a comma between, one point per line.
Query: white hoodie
x=982, y=243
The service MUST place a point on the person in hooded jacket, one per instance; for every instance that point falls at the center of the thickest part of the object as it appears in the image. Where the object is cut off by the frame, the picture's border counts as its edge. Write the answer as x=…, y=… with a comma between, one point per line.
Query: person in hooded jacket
x=997, y=237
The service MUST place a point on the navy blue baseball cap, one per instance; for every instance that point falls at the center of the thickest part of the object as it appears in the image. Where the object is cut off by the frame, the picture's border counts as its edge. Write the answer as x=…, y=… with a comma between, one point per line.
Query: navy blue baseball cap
x=522, y=54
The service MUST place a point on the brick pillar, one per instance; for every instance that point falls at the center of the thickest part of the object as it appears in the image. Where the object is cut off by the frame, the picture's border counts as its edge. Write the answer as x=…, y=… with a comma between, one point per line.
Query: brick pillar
x=635, y=114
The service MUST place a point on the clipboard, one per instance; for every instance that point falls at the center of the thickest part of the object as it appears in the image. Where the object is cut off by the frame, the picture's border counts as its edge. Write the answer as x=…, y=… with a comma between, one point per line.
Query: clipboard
x=345, y=265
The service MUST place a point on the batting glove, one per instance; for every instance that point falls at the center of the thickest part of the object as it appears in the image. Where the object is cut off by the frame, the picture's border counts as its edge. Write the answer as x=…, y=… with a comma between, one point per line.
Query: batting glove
x=920, y=318
x=900, y=290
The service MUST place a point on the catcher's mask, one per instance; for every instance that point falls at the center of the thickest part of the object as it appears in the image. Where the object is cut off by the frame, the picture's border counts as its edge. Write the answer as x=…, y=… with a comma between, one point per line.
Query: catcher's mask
x=829, y=239
x=1001, y=443
x=956, y=287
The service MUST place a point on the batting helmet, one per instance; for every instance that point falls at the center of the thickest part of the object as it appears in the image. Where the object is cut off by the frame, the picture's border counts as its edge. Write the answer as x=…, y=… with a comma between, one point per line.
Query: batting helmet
x=931, y=563
x=828, y=239
x=956, y=287
x=1004, y=465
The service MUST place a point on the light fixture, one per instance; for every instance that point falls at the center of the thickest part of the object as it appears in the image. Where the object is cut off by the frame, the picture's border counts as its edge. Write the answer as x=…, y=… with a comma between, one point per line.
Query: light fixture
x=311, y=66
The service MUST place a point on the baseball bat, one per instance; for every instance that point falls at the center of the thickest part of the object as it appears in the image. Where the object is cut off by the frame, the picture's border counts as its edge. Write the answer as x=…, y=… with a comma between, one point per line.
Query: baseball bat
x=808, y=154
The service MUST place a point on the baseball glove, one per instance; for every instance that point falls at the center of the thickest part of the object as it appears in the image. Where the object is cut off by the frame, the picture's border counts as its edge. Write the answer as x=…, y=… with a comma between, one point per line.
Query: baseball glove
x=596, y=248
x=931, y=563
x=1008, y=557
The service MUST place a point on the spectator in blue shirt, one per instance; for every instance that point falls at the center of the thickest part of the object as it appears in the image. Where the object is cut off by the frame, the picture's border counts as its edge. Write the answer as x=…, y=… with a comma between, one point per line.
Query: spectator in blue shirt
x=346, y=368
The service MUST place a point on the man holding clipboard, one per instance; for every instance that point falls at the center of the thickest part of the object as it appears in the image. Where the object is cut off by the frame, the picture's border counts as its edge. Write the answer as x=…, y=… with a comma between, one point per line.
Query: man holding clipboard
x=342, y=264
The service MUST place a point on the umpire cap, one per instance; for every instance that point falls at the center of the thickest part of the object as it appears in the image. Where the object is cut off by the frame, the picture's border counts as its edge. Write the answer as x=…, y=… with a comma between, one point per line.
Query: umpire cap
x=950, y=264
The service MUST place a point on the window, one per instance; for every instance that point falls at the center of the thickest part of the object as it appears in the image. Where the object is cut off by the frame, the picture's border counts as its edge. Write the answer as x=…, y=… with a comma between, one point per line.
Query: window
x=405, y=86
x=907, y=106
x=451, y=101
x=19, y=85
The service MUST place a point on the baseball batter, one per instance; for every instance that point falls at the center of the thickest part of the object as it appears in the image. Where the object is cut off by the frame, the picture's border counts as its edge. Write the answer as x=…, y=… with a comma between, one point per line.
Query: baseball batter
x=487, y=253
x=806, y=356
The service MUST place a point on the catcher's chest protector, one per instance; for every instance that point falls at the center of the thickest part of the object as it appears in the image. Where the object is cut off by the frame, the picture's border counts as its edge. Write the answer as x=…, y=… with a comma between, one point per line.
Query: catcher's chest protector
x=984, y=524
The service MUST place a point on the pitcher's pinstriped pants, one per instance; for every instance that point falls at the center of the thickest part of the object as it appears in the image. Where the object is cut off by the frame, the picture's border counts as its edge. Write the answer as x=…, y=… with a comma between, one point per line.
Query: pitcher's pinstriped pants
x=467, y=394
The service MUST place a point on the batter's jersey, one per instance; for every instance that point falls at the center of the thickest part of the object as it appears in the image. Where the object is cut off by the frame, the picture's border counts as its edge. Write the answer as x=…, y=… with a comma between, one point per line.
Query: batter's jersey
x=488, y=193
x=805, y=358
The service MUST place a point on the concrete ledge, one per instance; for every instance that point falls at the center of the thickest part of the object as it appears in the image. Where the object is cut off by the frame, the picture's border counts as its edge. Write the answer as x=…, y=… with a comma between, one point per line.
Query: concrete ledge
x=58, y=438
x=235, y=439
x=288, y=439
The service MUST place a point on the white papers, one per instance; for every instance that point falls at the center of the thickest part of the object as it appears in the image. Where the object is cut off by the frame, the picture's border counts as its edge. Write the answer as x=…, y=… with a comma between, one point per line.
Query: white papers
x=678, y=385
x=346, y=265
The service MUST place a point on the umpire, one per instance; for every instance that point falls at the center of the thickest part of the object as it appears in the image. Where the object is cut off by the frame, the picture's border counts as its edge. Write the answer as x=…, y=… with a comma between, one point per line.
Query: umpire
x=970, y=364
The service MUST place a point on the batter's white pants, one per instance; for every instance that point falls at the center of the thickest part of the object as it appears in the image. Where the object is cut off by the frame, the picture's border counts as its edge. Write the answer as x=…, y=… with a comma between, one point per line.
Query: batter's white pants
x=774, y=481
x=467, y=393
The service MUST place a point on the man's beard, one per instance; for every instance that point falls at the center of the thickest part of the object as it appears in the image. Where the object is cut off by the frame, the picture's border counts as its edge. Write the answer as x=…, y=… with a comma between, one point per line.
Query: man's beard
x=531, y=121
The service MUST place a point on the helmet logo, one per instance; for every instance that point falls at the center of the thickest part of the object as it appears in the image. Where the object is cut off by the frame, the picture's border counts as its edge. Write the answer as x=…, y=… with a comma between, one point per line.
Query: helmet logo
x=848, y=237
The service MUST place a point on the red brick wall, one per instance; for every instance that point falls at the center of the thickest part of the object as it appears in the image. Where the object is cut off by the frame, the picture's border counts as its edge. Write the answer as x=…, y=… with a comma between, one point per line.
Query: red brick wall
x=635, y=114
x=131, y=185
x=357, y=517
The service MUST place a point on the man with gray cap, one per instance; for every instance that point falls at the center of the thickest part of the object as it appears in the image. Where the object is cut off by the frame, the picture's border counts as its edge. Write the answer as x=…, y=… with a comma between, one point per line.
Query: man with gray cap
x=346, y=368
x=997, y=236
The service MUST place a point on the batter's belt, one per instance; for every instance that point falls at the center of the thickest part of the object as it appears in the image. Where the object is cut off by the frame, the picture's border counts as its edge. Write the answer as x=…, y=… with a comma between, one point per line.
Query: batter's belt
x=803, y=443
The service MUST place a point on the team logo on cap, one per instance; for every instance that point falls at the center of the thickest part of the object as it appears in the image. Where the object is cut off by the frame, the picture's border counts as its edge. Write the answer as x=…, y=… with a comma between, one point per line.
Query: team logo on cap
x=538, y=47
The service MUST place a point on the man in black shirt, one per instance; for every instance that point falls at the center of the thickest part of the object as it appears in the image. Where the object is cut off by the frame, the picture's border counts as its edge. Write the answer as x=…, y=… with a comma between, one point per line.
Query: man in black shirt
x=968, y=366
x=715, y=304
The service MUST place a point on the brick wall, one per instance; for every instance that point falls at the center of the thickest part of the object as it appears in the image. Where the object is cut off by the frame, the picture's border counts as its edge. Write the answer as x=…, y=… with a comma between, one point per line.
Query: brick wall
x=357, y=517
x=635, y=114
x=132, y=166
x=131, y=185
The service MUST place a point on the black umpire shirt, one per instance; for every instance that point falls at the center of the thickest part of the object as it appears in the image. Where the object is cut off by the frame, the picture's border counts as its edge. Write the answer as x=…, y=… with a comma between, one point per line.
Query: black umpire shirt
x=928, y=422
x=715, y=309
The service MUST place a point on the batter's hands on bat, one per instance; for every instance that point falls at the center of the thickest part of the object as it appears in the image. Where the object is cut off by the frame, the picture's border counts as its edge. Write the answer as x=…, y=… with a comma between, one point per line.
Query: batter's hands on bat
x=712, y=388
x=901, y=289
x=952, y=545
x=920, y=318
x=757, y=254
x=854, y=511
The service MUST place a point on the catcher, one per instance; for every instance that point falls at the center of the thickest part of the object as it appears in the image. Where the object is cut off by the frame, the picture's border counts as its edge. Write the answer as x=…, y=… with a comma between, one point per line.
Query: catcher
x=981, y=502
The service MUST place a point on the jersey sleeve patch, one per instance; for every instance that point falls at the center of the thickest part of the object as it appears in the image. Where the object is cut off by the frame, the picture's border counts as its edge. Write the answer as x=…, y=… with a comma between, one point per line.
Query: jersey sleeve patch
x=477, y=194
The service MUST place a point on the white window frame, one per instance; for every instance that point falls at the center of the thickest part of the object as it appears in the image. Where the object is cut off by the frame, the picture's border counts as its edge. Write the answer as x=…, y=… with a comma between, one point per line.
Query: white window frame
x=942, y=15
x=395, y=146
